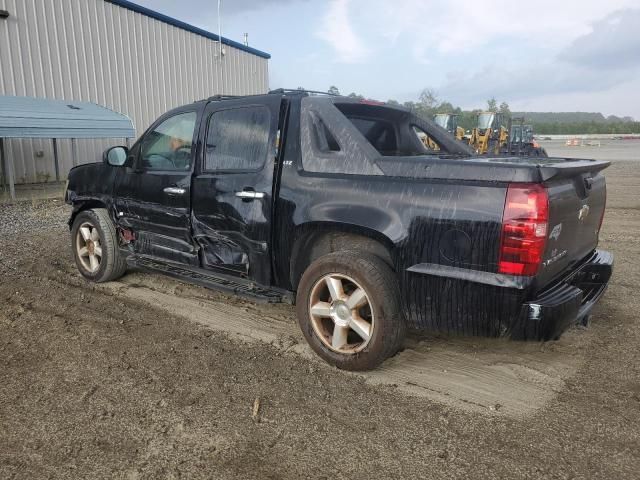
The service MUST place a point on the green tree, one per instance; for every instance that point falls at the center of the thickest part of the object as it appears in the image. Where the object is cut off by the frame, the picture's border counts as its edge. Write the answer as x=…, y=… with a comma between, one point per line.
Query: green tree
x=410, y=105
x=445, y=107
x=333, y=90
x=504, y=108
x=492, y=105
x=577, y=128
x=428, y=99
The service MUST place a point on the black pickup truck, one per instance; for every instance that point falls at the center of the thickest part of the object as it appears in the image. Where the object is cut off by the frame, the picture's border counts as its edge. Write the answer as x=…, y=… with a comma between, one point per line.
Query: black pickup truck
x=336, y=205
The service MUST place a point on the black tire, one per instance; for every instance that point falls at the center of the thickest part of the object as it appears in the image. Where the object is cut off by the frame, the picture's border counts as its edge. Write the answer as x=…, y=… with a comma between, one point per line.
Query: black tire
x=380, y=284
x=112, y=264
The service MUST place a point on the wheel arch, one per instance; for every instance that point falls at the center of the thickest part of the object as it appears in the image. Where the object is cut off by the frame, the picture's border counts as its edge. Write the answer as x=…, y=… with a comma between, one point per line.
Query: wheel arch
x=315, y=239
x=83, y=206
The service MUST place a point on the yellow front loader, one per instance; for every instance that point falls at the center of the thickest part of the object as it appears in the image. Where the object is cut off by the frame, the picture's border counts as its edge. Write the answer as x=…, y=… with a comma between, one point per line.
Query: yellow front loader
x=490, y=134
x=448, y=121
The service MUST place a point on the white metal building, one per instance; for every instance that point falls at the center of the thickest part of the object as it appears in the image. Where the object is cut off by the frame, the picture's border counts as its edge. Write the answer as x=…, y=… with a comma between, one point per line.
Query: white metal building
x=119, y=55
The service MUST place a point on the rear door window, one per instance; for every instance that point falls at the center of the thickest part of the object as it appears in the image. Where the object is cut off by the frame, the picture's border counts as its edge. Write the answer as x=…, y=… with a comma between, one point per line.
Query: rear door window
x=238, y=139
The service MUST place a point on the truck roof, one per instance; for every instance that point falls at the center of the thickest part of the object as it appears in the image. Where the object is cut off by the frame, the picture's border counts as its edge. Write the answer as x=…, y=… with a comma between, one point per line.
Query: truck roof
x=297, y=93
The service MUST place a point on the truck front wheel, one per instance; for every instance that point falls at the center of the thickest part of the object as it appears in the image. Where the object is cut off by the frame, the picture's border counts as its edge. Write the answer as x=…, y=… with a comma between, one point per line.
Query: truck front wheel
x=348, y=307
x=94, y=243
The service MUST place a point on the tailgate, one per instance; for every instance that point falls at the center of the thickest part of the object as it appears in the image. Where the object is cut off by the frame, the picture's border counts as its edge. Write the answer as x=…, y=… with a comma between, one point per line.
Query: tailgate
x=577, y=198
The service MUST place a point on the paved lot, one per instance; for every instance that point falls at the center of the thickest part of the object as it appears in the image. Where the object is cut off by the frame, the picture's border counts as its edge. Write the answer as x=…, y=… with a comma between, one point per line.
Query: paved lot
x=152, y=378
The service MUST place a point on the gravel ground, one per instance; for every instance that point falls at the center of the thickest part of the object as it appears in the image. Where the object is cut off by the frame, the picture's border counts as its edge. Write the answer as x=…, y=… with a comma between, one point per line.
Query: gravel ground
x=94, y=384
x=29, y=216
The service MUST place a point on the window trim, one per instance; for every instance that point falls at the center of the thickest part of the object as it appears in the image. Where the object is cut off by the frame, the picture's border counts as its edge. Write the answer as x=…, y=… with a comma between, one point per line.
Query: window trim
x=138, y=166
x=203, y=164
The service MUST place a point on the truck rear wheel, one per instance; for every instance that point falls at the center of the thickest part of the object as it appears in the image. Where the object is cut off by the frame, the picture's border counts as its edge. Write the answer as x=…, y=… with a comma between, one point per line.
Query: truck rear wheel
x=94, y=243
x=348, y=307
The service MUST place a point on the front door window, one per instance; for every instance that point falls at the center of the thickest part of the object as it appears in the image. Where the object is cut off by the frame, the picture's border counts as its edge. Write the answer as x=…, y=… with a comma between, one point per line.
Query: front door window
x=168, y=146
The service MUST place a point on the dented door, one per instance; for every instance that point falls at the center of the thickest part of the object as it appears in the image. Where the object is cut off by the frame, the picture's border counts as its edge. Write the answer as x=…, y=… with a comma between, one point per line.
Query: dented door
x=153, y=192
x=233, y=189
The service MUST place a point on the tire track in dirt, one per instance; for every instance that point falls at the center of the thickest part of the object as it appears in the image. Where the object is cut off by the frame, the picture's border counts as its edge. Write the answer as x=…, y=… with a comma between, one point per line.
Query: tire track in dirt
x=492, y=376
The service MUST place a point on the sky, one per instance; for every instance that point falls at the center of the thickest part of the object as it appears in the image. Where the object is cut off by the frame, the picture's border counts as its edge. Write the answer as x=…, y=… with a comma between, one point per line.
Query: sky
x=547, y=55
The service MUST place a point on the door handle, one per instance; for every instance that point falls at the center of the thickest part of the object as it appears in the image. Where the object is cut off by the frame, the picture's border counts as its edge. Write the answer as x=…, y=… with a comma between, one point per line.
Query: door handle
x=250, y=194
x=175, y=190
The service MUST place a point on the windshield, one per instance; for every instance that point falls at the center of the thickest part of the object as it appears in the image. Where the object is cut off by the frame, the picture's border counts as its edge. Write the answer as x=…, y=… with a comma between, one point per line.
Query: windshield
x=515, y=134
x=442, y=120
x=485, y=120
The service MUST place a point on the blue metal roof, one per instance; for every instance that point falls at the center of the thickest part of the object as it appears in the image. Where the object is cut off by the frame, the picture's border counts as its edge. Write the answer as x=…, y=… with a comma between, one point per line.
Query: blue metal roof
x=185, y=26
x=29, y=117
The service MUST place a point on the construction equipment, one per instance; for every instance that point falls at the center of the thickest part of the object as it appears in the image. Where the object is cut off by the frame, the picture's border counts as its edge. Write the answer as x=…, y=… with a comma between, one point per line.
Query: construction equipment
x=490, y=134
x=449, y=121
x=521, y=140
x=495, y=133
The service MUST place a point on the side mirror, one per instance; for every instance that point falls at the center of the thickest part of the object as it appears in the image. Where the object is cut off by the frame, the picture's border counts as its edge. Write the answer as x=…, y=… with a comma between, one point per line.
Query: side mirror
x=115, y=156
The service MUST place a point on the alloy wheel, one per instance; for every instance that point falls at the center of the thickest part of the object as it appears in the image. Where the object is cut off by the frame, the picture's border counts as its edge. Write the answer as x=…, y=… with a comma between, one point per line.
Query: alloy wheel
x=341, y=314
x=88, y=247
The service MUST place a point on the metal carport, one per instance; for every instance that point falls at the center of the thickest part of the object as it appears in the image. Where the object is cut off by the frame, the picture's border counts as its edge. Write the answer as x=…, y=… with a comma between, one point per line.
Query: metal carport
x=29, y=117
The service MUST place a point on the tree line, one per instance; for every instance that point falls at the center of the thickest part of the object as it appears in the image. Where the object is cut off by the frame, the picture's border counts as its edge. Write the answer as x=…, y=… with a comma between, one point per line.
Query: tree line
x=544, y=123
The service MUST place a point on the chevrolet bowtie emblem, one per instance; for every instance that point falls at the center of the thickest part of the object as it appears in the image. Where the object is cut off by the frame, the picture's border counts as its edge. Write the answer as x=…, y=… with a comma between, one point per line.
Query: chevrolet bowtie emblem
x=583, y=212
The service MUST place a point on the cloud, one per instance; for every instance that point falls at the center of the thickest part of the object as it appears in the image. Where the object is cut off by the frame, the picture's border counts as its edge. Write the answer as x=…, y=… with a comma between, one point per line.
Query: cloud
x=607, y=56
x=336, y=29
x=613, y=43
x=437, y=27
x=620, y=100
x=541, y=78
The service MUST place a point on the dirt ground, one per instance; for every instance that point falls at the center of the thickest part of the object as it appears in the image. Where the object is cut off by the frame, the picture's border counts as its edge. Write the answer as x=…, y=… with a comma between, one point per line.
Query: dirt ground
x=151, y=378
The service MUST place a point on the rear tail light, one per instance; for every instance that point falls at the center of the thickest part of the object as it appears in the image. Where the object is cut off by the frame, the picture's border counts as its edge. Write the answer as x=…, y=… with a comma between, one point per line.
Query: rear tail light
x=524, y=229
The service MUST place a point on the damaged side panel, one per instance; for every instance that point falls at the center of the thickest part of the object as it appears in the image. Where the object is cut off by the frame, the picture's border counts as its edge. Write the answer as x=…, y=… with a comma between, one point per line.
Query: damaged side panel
x=233, y=187
x=160, y=220
x=232, y=234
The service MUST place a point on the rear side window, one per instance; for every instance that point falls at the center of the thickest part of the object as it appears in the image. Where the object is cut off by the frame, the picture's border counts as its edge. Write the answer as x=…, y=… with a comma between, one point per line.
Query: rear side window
x=386, y=129
x=238, y=139
x=330, y=144
x=379, y=133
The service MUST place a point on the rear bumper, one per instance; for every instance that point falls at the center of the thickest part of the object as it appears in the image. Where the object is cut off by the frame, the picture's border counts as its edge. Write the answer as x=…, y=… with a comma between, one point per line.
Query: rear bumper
x=565, y=303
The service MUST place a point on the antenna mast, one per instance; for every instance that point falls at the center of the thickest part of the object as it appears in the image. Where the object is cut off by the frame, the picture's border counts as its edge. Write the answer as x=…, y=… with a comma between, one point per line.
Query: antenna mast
x=220, y=49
